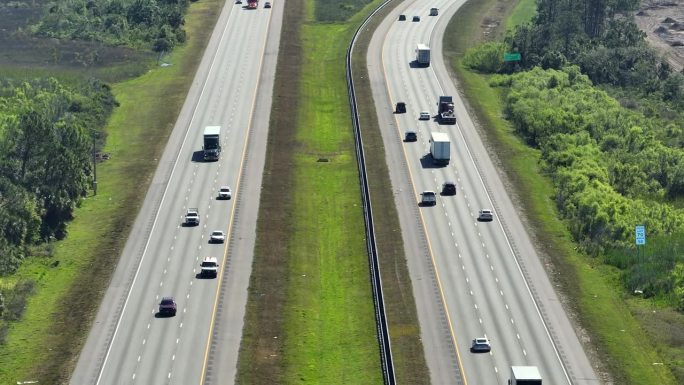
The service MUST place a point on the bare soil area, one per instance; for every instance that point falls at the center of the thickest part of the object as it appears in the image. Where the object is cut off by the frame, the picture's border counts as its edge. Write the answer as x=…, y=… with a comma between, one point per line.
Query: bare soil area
x=663, y=23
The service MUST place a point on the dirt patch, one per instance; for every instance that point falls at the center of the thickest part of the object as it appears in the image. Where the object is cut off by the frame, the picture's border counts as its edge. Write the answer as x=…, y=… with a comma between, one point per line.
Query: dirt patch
x=663, y=23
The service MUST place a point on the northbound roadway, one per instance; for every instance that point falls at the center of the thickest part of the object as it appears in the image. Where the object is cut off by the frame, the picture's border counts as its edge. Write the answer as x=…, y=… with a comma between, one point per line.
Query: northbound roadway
x=470, y=278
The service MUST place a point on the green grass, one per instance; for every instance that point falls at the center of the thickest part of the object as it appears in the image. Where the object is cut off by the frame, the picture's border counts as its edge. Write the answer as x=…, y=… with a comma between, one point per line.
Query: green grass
x=521, y=13
x=593, y=291
x=329, y=327
x=44, y=346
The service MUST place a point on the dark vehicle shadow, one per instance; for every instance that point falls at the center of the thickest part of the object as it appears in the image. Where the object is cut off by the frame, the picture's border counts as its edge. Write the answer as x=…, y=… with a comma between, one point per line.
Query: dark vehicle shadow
x=163, y=315
x=427, y=162
x=202, y=276
x=415, y=64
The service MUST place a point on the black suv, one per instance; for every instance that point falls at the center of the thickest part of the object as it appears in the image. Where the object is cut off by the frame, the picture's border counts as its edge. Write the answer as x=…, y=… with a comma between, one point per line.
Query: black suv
x=401, y=108
x=449, y=188
x=167, y=306
x=410, y=136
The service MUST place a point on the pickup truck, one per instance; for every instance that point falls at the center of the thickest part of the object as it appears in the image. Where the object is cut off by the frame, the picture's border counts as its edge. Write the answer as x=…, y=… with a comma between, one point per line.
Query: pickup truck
x=209, y=267
x=192, y=217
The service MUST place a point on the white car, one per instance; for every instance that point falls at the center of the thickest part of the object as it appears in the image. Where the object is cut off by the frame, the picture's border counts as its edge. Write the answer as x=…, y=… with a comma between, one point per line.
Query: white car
x=485, y=215
x=424, y=115
x=480, y=344
x=224, y=192
x=217, y=236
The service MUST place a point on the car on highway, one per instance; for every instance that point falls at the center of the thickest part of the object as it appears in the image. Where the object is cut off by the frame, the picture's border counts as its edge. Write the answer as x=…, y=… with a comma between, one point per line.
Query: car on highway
x=410, y=136
x=424, y=115
x=400, y=108
x=480, y=345
x=485, y=215
x=402, y=17
x=267, y=4
x=192, y=217
x=428, y=198
x=238, y=1
x=416, y=18
x=217, y=236
x=449, y=188
x=434, y=11
x=167, y=306
x=209, y=267
x=224, y=192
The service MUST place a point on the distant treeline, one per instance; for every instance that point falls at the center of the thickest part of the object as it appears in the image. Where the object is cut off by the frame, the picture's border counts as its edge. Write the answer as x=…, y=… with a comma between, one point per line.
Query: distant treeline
x=607, y=115
x=142, y=24
x=49, y=133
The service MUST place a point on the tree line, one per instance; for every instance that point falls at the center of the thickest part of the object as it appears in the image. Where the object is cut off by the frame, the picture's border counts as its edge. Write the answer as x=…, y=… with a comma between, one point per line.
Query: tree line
x=49, y=132
x=605, y=112
x=141, y=24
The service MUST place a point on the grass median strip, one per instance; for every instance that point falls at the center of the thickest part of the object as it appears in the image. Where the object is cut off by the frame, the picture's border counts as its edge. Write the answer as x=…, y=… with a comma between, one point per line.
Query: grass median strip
x=44, y=345
x=311, y=316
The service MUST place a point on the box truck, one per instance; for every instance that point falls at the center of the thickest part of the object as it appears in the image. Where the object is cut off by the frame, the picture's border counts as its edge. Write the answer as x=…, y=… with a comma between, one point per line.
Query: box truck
x=212, y=143
x=423, y=55
x=525, y=375
x=440, y=148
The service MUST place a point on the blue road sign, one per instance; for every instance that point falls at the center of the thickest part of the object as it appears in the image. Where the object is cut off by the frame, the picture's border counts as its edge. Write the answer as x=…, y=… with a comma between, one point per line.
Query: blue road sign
x=640, y=233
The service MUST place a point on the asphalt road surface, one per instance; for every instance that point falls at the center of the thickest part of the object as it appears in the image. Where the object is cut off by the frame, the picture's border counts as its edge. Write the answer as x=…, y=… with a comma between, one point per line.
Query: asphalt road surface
x=470, y=278
x=129, y=342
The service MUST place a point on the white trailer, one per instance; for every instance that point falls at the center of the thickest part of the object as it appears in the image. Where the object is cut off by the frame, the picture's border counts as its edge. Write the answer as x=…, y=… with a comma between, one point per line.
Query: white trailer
x=525, y=375
x=423, y=55
x=440, y=148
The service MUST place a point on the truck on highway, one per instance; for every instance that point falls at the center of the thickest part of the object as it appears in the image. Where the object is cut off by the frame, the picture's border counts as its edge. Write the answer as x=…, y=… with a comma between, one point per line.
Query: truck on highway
x=525, y=375
x=440, y=148
x=445, y=110
x=209, y=267
x=423, y=55
x=212, y=143
x=252, y=4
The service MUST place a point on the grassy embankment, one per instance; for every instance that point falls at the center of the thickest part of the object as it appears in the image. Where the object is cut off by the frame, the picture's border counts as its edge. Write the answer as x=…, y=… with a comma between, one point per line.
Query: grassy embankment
x=592, y=290
x=310, y=283
x=44, y=345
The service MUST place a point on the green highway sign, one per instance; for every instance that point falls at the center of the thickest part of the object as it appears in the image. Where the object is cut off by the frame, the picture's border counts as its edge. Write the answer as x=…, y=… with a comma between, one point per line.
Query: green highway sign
x=512, y=56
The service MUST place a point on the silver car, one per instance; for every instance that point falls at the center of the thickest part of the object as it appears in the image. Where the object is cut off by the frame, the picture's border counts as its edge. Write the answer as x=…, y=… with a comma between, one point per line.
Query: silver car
x=480, y=344
x=217, y=236
x=485, y=215
x=224, y=192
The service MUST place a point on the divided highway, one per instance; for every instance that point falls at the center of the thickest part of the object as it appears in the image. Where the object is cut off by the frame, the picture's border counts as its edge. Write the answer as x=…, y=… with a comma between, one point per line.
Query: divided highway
x=129, y=342
x=470, y=278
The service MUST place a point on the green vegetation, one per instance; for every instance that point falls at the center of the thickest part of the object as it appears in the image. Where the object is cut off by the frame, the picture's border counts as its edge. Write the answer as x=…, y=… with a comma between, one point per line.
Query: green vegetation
x=49, y=132
x=523, y=12
x=615, y=322
x=151, y=24
x=68, y=286
x=332, y=11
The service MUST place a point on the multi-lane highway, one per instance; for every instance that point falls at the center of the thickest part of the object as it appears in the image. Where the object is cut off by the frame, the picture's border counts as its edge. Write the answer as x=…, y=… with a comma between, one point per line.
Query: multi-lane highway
x=470, y=278
x=129, y=343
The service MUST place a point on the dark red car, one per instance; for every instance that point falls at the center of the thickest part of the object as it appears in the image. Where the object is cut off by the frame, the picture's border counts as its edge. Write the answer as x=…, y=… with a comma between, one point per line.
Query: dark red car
x=167, y=306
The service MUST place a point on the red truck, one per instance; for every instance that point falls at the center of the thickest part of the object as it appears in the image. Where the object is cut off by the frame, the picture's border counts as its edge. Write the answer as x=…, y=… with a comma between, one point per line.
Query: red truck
x=252, y=4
